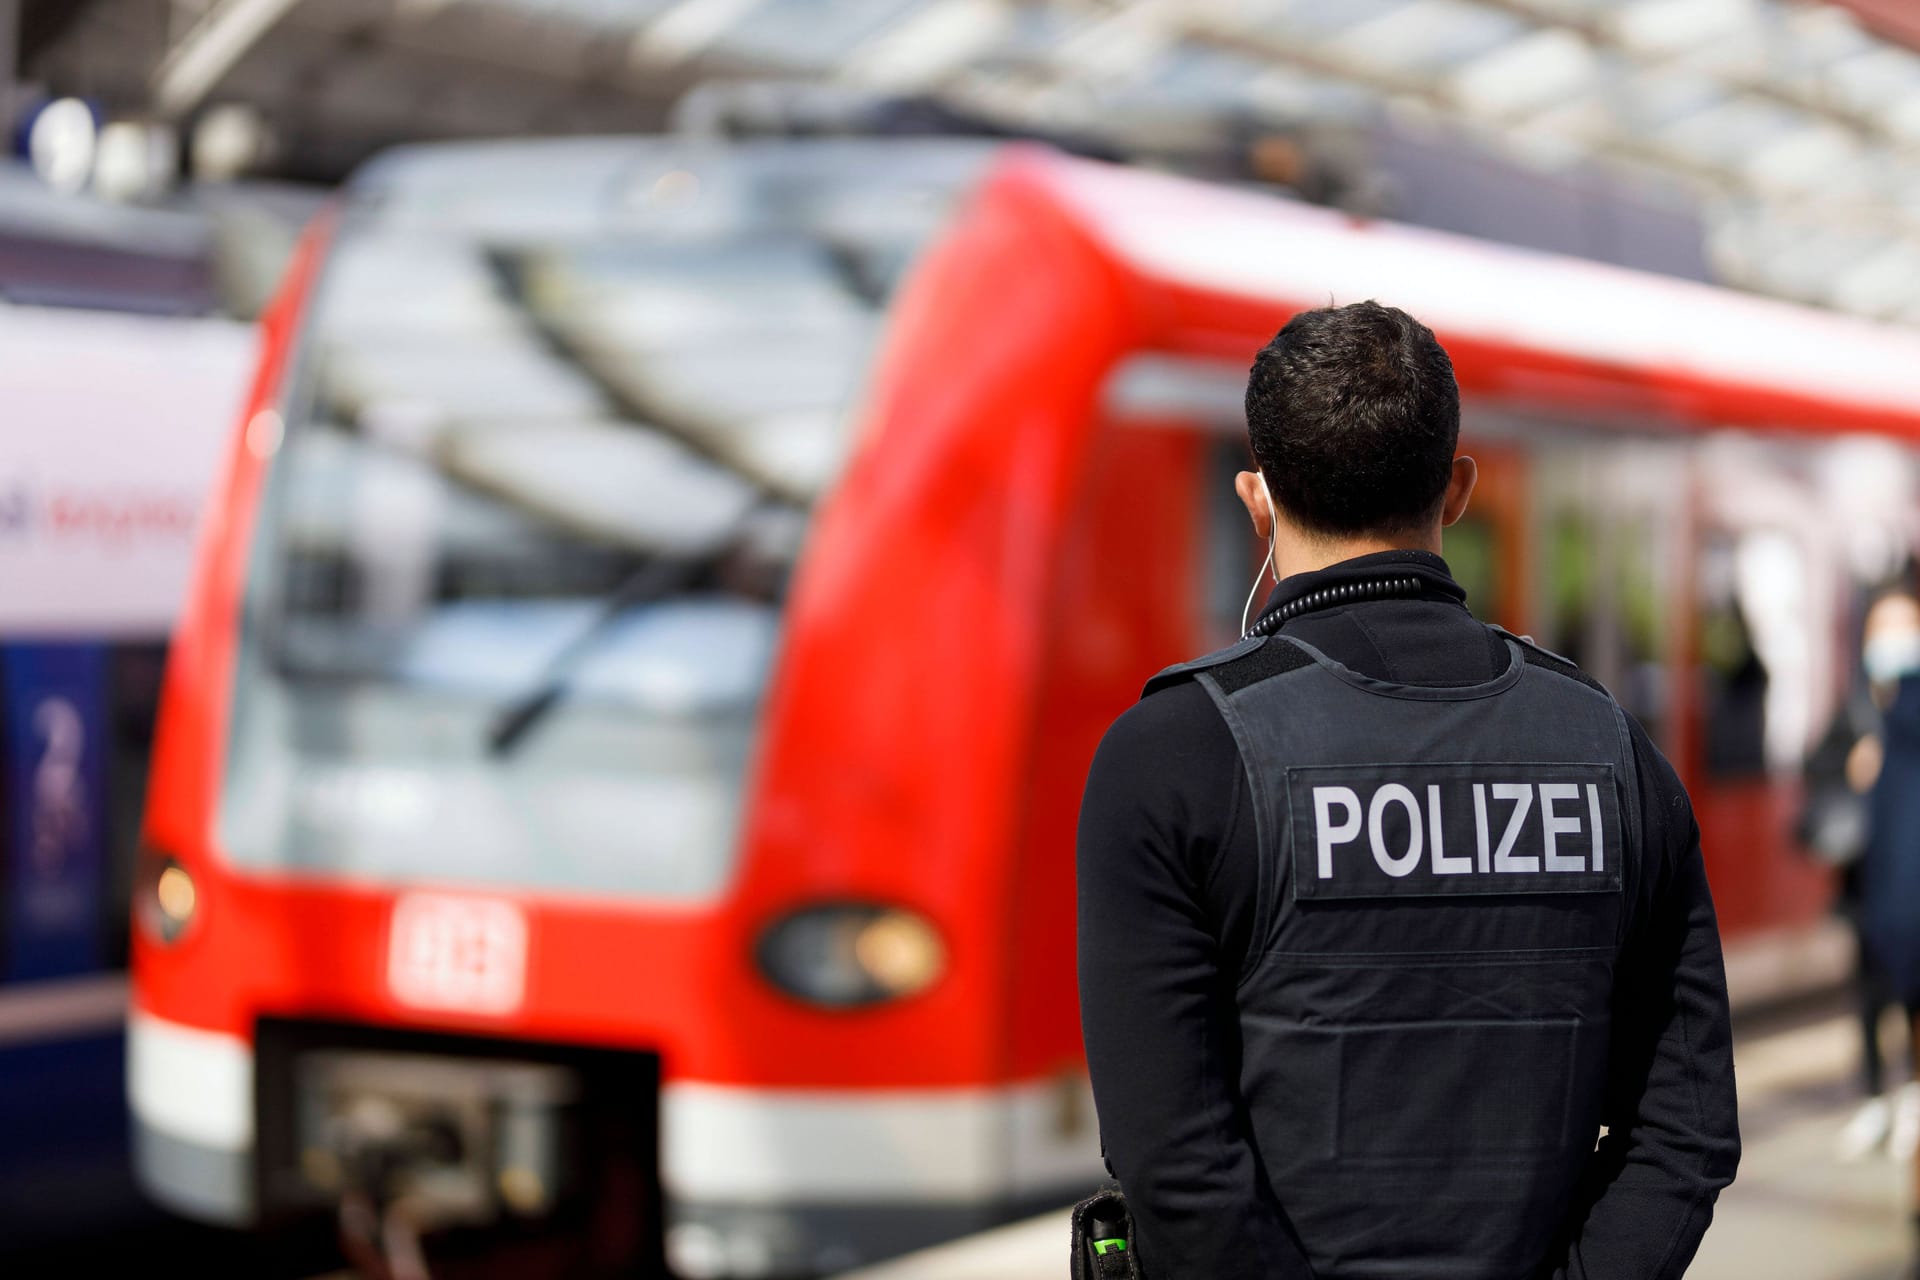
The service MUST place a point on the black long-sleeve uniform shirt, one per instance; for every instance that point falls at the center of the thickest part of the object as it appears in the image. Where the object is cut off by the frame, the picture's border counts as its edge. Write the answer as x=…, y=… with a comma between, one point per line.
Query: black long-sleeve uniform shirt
x=1167, y=888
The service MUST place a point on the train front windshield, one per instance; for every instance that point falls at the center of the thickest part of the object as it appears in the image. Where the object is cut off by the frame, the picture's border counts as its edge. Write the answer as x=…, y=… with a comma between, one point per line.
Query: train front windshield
x=556, y=417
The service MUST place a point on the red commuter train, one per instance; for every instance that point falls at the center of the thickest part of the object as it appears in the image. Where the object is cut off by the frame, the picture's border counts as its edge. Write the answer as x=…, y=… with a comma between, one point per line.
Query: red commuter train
x=594, y=755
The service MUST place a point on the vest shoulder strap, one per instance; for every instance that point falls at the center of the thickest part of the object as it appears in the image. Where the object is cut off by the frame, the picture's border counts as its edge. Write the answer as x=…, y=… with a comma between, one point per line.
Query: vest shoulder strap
x=1187, y=670
x=1538, y=655
x=1261, y=652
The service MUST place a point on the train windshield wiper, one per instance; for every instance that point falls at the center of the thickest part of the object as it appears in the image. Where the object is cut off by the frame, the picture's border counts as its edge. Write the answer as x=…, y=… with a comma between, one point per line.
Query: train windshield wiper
x=653, y=580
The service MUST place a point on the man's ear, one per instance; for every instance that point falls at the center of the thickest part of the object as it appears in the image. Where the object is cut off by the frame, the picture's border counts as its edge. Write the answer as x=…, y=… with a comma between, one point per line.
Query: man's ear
x=1466, y=472
x=1252, y=491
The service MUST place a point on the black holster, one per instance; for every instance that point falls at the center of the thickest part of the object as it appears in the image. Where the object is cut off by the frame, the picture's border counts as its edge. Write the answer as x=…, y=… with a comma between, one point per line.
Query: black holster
x=1103, y=1238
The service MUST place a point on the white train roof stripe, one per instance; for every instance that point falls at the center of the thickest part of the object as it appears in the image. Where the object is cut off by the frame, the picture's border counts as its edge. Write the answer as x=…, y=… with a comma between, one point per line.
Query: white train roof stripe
x=1256, y=245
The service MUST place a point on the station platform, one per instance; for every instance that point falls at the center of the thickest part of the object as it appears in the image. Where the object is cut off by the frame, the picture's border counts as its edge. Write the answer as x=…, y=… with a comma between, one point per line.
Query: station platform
x=1797, y=1211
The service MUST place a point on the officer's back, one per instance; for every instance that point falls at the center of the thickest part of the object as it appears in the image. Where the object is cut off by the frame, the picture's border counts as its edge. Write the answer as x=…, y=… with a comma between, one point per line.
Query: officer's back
x=1383, y=913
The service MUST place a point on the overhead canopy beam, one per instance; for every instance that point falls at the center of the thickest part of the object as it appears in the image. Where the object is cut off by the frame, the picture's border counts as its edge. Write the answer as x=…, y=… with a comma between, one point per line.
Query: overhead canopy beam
x=210, y=49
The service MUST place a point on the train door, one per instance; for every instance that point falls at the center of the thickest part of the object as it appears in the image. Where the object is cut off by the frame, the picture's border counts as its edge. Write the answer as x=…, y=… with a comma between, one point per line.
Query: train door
x=1694, y=578
x=1789, y=541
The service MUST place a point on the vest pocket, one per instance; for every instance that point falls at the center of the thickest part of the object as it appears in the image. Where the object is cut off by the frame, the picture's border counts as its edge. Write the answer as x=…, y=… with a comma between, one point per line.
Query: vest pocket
x=1485, y=1092
x=1425, y=1116
x=1442, y=1093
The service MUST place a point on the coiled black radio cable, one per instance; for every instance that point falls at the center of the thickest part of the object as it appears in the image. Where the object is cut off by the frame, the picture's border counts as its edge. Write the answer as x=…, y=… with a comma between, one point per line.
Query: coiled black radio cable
x=1344, y=593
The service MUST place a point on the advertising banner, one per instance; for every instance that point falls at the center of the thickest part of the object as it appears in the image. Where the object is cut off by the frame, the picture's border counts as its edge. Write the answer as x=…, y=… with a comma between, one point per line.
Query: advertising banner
x=111, y=427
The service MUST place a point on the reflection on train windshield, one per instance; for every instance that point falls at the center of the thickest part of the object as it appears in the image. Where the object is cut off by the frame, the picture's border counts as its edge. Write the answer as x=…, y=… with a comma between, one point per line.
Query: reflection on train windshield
x=507, y=414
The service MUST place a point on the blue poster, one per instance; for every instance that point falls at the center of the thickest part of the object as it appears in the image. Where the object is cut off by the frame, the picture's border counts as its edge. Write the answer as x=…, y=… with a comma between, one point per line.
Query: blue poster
x=54, y=752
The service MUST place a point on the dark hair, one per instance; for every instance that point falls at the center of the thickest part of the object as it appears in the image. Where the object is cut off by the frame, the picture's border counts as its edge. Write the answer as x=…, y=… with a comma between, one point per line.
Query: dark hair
x=1353, y=415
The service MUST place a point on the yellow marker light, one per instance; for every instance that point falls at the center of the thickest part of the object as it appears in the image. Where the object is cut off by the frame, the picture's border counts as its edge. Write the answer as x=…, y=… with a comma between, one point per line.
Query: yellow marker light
x=165, y=897
x=900, y=952
x=849, y=955
x=174, y=892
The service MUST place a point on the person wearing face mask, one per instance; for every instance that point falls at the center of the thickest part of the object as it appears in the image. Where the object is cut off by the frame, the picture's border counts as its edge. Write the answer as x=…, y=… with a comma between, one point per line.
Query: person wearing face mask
x=1383, y=912
x=1890, y=869
x=1833, y=826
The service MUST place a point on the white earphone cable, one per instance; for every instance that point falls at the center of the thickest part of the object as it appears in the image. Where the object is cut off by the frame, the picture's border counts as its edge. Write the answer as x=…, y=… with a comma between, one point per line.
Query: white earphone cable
x=1267, y=566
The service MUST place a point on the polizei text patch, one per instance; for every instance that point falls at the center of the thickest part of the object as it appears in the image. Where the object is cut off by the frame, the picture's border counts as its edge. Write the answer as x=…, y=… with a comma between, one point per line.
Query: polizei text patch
x=1423, y=830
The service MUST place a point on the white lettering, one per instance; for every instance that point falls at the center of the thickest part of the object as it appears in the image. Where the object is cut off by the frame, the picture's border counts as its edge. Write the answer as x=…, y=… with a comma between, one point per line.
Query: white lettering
x=1326, y=836
x=1599, y=838
x=1522, y=795
x=1443, y=865
x=1394, y=793
x=1556, y=826
x=1480, y=825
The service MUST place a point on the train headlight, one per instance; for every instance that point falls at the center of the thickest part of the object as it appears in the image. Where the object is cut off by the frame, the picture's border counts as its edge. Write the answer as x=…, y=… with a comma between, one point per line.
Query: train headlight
x=166, y=899
x=850, y=954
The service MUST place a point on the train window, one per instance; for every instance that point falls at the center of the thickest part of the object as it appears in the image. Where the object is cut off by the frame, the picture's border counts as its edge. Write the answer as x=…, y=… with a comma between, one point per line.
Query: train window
x=517, y=587
x=1203, y=397
x=1232, y=554
x=1864, y=490
x=1734, y=678
x=1793, y=535
x=1471, y=547
x=1607, y=513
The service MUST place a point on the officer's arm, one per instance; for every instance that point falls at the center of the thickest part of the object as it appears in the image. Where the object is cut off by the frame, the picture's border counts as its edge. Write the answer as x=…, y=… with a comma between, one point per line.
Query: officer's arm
x=1156, y=1011
x=1673, y=1137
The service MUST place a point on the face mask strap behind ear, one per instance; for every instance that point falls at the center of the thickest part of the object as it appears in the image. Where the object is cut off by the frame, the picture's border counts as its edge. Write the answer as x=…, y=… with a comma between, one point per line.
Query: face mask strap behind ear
x=1267, y=566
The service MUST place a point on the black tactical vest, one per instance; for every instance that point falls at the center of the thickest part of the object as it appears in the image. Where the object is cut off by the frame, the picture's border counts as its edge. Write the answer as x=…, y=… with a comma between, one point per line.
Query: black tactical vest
x=1426, y=1007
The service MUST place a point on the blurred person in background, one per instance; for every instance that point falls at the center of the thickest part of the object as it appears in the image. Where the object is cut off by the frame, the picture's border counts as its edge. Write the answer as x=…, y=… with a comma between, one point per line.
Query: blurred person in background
x=1890, y=869
x=1357, y=997
x=1838, y=776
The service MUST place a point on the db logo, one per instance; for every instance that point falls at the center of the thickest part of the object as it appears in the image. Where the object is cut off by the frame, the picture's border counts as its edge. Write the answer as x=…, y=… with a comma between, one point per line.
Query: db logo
x=468, y=955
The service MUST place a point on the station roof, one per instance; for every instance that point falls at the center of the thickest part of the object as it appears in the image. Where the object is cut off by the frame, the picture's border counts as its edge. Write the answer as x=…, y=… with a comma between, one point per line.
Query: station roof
x=1796, y=125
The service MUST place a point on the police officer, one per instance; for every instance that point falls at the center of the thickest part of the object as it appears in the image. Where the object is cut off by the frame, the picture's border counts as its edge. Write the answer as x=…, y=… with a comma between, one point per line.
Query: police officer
x=1384, y=913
